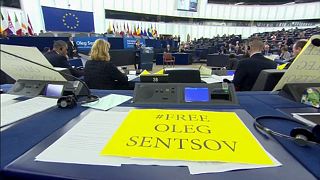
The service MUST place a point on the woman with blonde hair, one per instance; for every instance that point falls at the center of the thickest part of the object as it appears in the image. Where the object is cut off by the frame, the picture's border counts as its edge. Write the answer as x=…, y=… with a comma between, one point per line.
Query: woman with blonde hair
x=99, y=72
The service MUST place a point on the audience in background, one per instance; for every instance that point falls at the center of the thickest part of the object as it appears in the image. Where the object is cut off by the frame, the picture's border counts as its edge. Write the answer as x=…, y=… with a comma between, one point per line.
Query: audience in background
x=297, y=47
x=248, y=70
x=99, y=72
x=58, y=57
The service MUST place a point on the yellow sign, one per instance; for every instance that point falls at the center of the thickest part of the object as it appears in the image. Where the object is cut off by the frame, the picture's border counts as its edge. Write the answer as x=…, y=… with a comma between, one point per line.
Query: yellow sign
x=186, y=135
x=305, y=68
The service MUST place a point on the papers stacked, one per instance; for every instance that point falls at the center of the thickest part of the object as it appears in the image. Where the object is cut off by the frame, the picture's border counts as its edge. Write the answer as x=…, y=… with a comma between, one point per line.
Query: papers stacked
x=84, y=142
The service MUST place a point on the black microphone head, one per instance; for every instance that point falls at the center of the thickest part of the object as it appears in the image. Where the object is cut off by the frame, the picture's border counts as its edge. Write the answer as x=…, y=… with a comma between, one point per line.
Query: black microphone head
x=316, y=42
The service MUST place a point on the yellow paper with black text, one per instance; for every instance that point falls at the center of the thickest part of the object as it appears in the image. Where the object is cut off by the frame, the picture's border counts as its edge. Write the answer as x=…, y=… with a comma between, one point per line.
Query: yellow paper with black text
x=190, y=135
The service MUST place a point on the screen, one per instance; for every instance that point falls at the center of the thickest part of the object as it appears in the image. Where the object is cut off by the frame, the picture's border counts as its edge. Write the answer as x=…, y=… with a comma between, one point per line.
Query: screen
x=188, y=5
x=194, y=94
x=53, y=90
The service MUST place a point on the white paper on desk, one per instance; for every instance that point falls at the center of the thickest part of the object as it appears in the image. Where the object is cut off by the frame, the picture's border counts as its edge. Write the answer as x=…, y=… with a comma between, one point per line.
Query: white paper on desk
x=216, y=79
x=108, y=102
x=8, y=99
x=20, y=110
x=131, y=77
x=83, y=143
x=211, y=167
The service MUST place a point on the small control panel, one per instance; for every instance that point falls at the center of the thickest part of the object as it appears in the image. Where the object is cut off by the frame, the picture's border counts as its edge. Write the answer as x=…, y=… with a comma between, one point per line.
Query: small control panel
x=32, y=88
x=184, y=93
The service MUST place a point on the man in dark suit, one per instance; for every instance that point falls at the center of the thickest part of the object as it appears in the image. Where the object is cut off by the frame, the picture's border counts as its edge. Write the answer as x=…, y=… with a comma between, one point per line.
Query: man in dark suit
x=168, y=49
x=249, y=69
x=296, y=49
x=58, y=57
x=72, y=48
x=137, y=48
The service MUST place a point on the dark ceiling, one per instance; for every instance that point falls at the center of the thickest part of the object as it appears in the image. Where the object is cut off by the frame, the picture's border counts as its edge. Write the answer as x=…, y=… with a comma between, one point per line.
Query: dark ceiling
x=259, y=2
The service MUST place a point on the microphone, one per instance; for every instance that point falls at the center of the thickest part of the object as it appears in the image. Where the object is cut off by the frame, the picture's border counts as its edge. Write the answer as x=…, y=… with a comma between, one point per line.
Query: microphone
x=316, y=42
x=64, y=101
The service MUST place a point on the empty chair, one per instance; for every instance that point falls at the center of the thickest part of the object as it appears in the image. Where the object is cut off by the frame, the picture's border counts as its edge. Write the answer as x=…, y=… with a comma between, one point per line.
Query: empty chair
x=267, y=79
x=168, y=59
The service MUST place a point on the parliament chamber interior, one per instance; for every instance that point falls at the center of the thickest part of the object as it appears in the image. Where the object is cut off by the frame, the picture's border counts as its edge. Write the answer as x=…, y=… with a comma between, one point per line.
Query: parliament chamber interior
x=160, y=89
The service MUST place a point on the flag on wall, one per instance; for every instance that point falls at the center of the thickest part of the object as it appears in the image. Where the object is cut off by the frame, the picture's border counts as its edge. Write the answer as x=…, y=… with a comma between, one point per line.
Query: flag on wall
x=10, y=29
x=4, y=23
x=30, y=28
x=56, y=19
x=17, y=25
x=149, y=32
x=134, y=30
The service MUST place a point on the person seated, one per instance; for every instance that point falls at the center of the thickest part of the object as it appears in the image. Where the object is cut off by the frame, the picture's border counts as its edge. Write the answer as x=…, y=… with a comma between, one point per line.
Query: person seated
x=249, y=69
x=58, y=57
x=99, y=72
x=168, y=49
x=182, y=48
x=285, y=55
x=72, y=48
x=296, y=49
x=233, y=62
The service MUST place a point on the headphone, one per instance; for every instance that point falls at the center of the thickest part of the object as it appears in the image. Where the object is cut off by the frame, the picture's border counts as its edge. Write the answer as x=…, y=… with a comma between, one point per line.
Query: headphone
x=301, y=136
x=70, y=101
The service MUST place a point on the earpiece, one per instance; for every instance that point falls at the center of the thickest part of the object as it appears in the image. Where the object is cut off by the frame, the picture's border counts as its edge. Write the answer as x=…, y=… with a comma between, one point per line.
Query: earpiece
x=301, y=136
x=67, y=102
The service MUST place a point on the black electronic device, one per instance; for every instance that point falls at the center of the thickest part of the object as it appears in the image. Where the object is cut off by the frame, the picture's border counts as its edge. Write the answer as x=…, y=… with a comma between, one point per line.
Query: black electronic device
x=32, y=88
x=183, y=75
x=154, y=78
x=185, y=93
x=294, y=91
x=268, y=79
x=308, y=135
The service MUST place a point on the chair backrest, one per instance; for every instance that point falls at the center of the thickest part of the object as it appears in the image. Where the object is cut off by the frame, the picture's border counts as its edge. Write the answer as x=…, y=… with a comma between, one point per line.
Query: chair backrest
x=167, y=56
x=267, y=79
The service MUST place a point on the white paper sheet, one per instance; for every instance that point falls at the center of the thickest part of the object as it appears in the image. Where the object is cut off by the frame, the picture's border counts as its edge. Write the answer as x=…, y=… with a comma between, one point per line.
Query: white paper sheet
x=84, y=142
x=8, y=99
x=131, y=77
x=108, y=102
x=216, y=79
x=20, y=110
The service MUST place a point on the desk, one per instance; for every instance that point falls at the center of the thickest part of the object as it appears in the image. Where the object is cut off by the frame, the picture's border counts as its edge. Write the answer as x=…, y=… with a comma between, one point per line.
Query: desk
x=21, y=137
x=181, y=58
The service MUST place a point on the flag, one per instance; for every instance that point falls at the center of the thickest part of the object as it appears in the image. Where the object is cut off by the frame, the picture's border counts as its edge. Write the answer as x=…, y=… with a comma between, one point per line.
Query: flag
x=128, y=29
x=24, y=27
x=17, y=25
x=30, y=28
x=138, y=31
x=4, y=23
x=149, y=32
x=134, y=31
x=56, y=19
x=110, y=30
x=10, y=29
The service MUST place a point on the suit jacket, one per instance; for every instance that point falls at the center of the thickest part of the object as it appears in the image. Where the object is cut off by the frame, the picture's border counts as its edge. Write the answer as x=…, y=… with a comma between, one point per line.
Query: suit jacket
x=168, y=50
x=57, y=60
x=71, y=47
x=104, y=75
x=248, y=71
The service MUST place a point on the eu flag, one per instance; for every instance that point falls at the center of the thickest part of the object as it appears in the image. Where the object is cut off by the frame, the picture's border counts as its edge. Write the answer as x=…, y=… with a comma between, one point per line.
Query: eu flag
x=57, y=19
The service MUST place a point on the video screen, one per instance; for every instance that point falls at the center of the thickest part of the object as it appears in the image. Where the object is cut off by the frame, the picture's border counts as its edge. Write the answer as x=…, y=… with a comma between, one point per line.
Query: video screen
x=188, y=5
x=195, y=94
x=53, y=90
